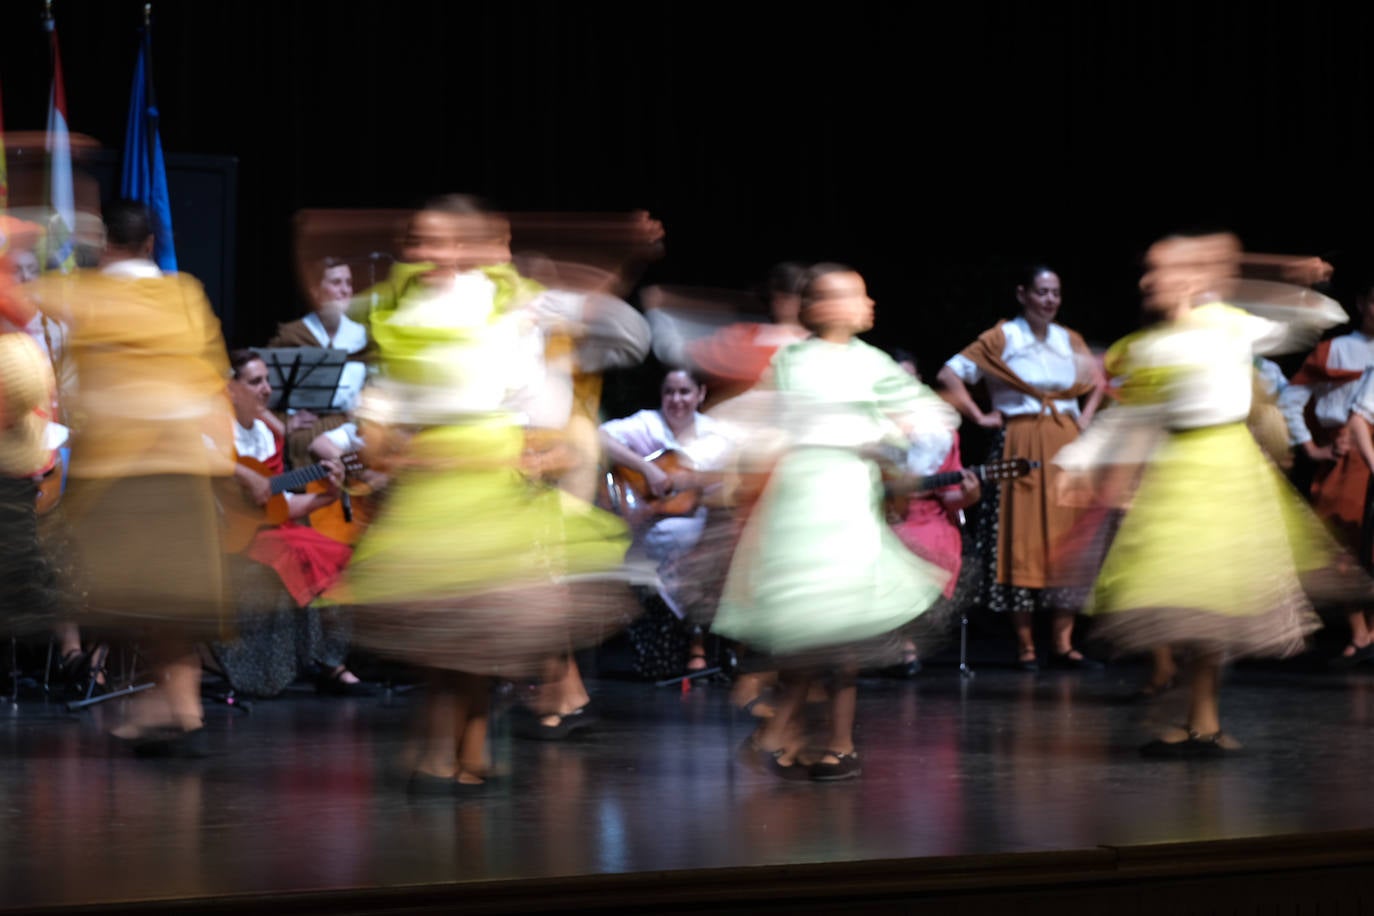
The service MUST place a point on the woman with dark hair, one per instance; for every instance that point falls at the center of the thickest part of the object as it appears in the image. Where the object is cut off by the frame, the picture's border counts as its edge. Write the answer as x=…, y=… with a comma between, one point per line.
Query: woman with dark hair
x=284, y=568
x=1043, y=387
x=634, y=442
x=819, y=580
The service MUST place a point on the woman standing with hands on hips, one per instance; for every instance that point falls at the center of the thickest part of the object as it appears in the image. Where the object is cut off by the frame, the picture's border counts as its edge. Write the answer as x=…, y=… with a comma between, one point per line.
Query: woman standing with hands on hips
x=1043, y=389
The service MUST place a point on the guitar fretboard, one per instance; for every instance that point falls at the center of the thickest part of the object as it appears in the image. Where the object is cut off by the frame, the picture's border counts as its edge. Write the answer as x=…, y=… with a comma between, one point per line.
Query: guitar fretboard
x=297, y=478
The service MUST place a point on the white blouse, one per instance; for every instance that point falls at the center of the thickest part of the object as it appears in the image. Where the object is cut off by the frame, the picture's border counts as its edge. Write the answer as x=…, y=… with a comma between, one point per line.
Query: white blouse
x=1335, y=401
x=350, y=337
x=1050, y=365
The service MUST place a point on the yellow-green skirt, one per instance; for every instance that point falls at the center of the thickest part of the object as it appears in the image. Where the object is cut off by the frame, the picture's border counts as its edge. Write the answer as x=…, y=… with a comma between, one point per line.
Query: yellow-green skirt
x=471, y=566
x=1214, y=553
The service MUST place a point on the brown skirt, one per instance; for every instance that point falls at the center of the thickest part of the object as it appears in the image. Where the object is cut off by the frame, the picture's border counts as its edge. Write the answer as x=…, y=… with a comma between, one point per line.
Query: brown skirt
x=147, y=550
x=1031, y=520
x=1338, y=492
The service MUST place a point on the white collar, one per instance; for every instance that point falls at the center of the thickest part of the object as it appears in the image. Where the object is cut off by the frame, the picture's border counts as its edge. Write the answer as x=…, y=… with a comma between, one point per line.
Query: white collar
x=134, y=268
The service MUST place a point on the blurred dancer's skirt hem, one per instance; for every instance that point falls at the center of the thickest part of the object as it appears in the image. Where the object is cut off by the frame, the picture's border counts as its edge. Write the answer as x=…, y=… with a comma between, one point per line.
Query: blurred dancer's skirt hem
x=819, y=577
x=1215, y=552
x=481, y=570
x=146, y=551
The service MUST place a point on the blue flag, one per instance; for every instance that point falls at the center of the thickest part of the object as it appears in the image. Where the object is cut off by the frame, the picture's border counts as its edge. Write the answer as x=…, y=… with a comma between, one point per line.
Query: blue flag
x=144, y=178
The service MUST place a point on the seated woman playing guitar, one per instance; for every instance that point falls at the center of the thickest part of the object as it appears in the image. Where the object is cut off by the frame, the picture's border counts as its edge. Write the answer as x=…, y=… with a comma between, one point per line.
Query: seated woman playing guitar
x=663, y=461
x=284, y=566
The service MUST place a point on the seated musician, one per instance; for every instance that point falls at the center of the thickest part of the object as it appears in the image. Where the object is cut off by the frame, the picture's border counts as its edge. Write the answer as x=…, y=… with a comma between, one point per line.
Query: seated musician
x=327, y=326
x=281, y=635
x=676, y=426
x=929, y=526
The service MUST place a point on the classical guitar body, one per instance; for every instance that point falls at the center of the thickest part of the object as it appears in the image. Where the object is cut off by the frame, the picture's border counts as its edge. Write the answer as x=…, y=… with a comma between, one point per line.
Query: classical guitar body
x=625, y=492
x=333, y=522
x=243, y=518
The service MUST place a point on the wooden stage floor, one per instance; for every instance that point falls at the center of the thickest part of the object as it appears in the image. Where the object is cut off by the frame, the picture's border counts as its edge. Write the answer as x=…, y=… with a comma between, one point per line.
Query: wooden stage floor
x=302, y=797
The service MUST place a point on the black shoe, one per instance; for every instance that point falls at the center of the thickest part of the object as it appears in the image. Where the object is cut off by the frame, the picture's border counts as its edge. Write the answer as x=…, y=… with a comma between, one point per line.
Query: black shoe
x=427, y=785
x=529, y=724
x=1359, y=656
x=1031, y=664
x=168, y=743
x=796, y=771
x=1194, y=747
x=335, y=686
x=845, y=767
x=1063, y=661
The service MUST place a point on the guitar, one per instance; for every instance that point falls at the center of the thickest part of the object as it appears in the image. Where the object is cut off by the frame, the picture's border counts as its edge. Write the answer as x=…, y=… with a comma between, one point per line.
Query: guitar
x=901, y=486
x=344, y=520
x=243, y=518
x=625, y=491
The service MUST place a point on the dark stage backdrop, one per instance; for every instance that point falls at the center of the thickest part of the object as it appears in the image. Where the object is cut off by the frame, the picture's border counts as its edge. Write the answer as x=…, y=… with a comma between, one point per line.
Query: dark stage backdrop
x=934, y=146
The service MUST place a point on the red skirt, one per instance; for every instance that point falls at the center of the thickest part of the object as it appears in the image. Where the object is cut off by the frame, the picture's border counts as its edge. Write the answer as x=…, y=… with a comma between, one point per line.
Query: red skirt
x=307, y=562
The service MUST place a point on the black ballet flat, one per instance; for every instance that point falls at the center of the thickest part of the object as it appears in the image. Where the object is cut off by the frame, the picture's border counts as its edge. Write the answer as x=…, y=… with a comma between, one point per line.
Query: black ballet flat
x=427, y=785
x=1358, y=657
x=528, y=724
x=1194, y=747
x=168, y=743
x=846, y=767
x=1030, y=665
x=1063, y=661
x=796, y=771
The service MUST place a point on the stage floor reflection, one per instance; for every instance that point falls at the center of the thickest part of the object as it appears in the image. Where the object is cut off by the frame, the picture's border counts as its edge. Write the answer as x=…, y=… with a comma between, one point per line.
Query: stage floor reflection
x=303, y=792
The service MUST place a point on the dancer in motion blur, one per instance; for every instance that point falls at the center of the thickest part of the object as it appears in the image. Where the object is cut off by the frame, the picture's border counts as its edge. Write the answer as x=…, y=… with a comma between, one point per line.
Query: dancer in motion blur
x=153, y=433
x=819, y=580
x=1216, y=551
x=472, y=569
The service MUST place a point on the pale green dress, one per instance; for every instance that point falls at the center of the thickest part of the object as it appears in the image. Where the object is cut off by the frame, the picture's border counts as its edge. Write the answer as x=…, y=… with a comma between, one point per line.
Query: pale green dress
x=818, y=573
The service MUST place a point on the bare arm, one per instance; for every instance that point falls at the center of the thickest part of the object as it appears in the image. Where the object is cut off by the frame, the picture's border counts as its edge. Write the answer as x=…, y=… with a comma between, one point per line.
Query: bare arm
x=303, y=504
x=1094, y=400
x=953, y=389
x=622, y=454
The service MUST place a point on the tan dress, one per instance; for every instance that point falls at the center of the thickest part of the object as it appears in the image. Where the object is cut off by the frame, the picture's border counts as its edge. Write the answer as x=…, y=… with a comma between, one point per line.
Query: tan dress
x=152, y=433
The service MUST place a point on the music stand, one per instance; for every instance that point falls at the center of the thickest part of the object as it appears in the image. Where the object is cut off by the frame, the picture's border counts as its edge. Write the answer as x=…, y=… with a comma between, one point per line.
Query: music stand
x=303, y=378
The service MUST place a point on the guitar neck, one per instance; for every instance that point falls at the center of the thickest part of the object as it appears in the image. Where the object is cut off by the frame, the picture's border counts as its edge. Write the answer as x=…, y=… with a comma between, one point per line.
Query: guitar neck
x=950, y=478
x=291, y=480
x=947, y=479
